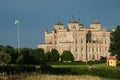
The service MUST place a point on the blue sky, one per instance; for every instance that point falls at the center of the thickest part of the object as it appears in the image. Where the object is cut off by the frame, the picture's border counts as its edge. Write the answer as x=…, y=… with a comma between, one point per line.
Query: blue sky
x=38, y=15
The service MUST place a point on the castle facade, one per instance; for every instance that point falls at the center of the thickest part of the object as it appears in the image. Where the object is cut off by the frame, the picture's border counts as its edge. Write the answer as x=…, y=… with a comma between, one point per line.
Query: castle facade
x=85, y=43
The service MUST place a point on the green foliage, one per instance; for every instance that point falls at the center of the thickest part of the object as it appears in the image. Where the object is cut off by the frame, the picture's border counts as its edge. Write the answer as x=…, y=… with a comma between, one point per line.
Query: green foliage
x=5, y=54
x=39, y=56
x=67, y=56
x=115, y=42
x=15, y=69
x=25, y=55
x=53, y=56
x=11, y=51
x=106, y=73
x=8, y=49
x=31, y=56
x=20, y=59
x=76, y=63
x=47, y=55
x=4, y=57
x=46, y=69
x=66, y=63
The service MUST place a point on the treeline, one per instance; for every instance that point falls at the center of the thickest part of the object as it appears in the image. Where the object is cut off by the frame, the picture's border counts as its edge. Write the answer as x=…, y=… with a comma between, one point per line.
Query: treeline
x=10, y=55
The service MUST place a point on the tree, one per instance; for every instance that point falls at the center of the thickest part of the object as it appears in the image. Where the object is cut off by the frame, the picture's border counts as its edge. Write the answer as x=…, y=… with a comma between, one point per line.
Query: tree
x=1, y=47
x=47, y=55
x=25, y=56
x=11, y=51
x=8, y=49
x=54, y=55
x=19, y=59
x=39, y=56
x=67, y=56
x=4, y=57
x=115, y=42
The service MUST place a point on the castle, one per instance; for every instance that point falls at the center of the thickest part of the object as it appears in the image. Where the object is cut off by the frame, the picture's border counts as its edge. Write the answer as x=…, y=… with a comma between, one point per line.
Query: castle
x=85, y=43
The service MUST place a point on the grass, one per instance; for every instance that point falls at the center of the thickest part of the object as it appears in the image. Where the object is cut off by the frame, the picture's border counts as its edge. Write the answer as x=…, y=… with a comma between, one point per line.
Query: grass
x=100, y=65
x=80, y=66
x=64, y=77
x=69, y=66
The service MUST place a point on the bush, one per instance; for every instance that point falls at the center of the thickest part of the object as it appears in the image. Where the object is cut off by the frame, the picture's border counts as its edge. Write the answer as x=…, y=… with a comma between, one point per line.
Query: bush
x=17, y=68
x=74, y=63
x=106, y=73
x=46, y=69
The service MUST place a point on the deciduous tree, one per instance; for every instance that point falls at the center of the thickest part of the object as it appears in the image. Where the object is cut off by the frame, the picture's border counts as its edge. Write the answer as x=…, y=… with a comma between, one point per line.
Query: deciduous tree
x=115, y=42
x=67, y=56
x=54, y=55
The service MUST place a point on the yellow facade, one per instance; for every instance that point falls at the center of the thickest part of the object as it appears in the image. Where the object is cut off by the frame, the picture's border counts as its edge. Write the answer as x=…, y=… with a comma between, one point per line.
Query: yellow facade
x=111, y=61
x=85, y=43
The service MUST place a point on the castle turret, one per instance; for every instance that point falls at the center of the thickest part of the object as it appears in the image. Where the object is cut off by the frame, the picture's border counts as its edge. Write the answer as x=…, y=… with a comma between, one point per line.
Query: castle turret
x=58, y=25
x=73, y=24
x=95, y=25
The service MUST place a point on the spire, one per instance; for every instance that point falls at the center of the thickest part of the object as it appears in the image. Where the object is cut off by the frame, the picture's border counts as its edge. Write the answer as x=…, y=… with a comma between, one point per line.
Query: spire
x=81, y=24
x=59, y=22
x=95, y=21
x=73, y=20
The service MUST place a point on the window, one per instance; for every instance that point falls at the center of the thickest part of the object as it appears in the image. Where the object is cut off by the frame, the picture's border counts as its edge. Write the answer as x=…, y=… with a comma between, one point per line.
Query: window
x=89, y=56
x=89, y=49
x=100, y=49
x=81, y=49
x=92, y=49
x=77, y=49
x=96, y=49
x=81, y=41
x=111, y=62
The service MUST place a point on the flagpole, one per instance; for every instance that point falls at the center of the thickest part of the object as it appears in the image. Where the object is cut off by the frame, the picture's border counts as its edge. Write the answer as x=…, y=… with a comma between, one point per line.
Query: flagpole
x=18, y=37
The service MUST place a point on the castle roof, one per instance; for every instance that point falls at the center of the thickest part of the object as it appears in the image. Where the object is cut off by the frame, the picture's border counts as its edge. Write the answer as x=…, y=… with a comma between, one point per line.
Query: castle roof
x=95, y=21
x=73, y=20
x=59, y=22
x=111, y=58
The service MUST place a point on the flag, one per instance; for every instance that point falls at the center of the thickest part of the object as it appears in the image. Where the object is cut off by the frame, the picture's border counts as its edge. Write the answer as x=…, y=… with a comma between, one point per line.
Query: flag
x=16, y=22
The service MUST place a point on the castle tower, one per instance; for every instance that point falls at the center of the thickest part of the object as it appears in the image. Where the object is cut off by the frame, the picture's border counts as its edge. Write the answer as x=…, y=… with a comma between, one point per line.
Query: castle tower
x=95, y=25
x=73, y=24
x=58, y=25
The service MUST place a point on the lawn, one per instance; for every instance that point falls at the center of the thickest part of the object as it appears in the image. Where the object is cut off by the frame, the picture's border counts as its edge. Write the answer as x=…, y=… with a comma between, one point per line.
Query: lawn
x=69, y=66
x=100, y=65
